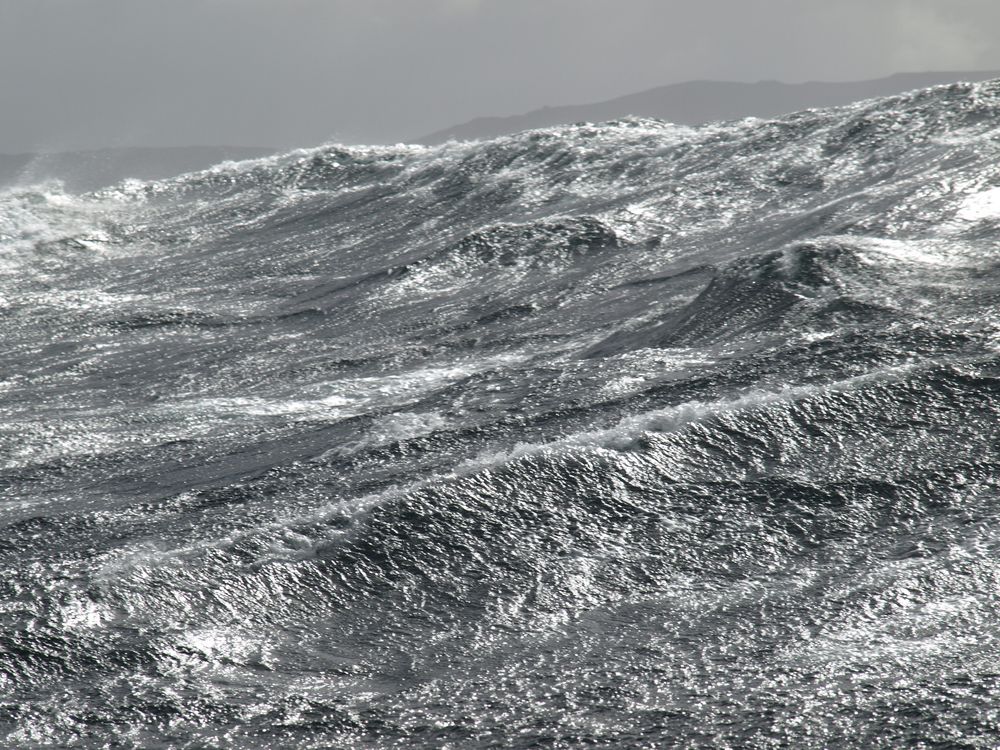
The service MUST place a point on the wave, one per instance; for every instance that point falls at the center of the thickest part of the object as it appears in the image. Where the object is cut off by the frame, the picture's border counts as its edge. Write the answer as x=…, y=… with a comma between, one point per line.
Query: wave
x=613, y=434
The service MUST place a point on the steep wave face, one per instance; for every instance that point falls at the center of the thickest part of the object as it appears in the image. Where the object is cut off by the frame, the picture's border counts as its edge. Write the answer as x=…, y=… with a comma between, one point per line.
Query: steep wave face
x=628, y=435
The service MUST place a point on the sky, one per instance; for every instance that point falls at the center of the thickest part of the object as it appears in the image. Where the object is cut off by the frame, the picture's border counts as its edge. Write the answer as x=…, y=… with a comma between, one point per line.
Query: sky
x=284, y=73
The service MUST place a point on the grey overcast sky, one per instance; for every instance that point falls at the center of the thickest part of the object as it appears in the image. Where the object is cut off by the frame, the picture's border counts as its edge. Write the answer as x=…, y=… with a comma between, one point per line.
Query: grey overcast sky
x=97, y=73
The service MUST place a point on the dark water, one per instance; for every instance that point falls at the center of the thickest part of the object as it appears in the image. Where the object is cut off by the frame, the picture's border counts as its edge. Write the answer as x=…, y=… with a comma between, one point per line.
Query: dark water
x=625, y=436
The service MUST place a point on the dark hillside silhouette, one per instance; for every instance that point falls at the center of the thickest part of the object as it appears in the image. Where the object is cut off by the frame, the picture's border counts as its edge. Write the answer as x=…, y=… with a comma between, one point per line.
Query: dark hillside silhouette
x=698, y=102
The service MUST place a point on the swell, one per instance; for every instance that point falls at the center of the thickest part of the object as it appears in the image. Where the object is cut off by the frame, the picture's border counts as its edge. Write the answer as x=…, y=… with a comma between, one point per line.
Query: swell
x=722, y=491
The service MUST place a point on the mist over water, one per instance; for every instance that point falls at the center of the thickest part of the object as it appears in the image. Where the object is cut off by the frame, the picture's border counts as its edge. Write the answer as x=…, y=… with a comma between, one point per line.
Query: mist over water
x=624, y=435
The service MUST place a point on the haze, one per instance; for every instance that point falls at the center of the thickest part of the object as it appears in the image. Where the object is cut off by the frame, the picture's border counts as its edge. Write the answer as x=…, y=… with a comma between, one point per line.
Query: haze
x=78, y=74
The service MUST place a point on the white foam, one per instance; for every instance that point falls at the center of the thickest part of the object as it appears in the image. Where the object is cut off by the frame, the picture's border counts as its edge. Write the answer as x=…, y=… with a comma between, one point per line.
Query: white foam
x=640, y=368
x=83, y=614
x=984, y=205
x=878, y=250
x=404, y=426
x=625, y=433
x=350, y=396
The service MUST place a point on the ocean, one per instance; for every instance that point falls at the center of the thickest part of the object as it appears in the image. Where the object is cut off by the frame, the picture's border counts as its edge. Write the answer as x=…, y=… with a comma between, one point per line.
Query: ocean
x=629, y=435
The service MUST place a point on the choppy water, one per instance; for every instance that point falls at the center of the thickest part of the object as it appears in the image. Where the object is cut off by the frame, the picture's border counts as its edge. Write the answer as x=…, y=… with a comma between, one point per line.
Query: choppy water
x=630, y=435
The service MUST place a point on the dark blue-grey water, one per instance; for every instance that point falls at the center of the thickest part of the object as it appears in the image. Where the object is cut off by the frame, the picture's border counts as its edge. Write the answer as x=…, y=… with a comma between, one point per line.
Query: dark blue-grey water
x=625, y=436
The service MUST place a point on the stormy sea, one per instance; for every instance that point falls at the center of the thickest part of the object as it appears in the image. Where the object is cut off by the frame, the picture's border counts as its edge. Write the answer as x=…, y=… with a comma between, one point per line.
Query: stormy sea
x=629, y=435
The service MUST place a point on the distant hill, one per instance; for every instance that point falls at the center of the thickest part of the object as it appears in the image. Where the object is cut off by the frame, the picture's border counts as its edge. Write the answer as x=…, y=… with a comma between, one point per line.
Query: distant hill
x=92, y=170
x=698, y=102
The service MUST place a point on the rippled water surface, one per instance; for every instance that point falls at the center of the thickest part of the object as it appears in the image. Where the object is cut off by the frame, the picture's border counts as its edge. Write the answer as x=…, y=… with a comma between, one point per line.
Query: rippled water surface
x=629, y=435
